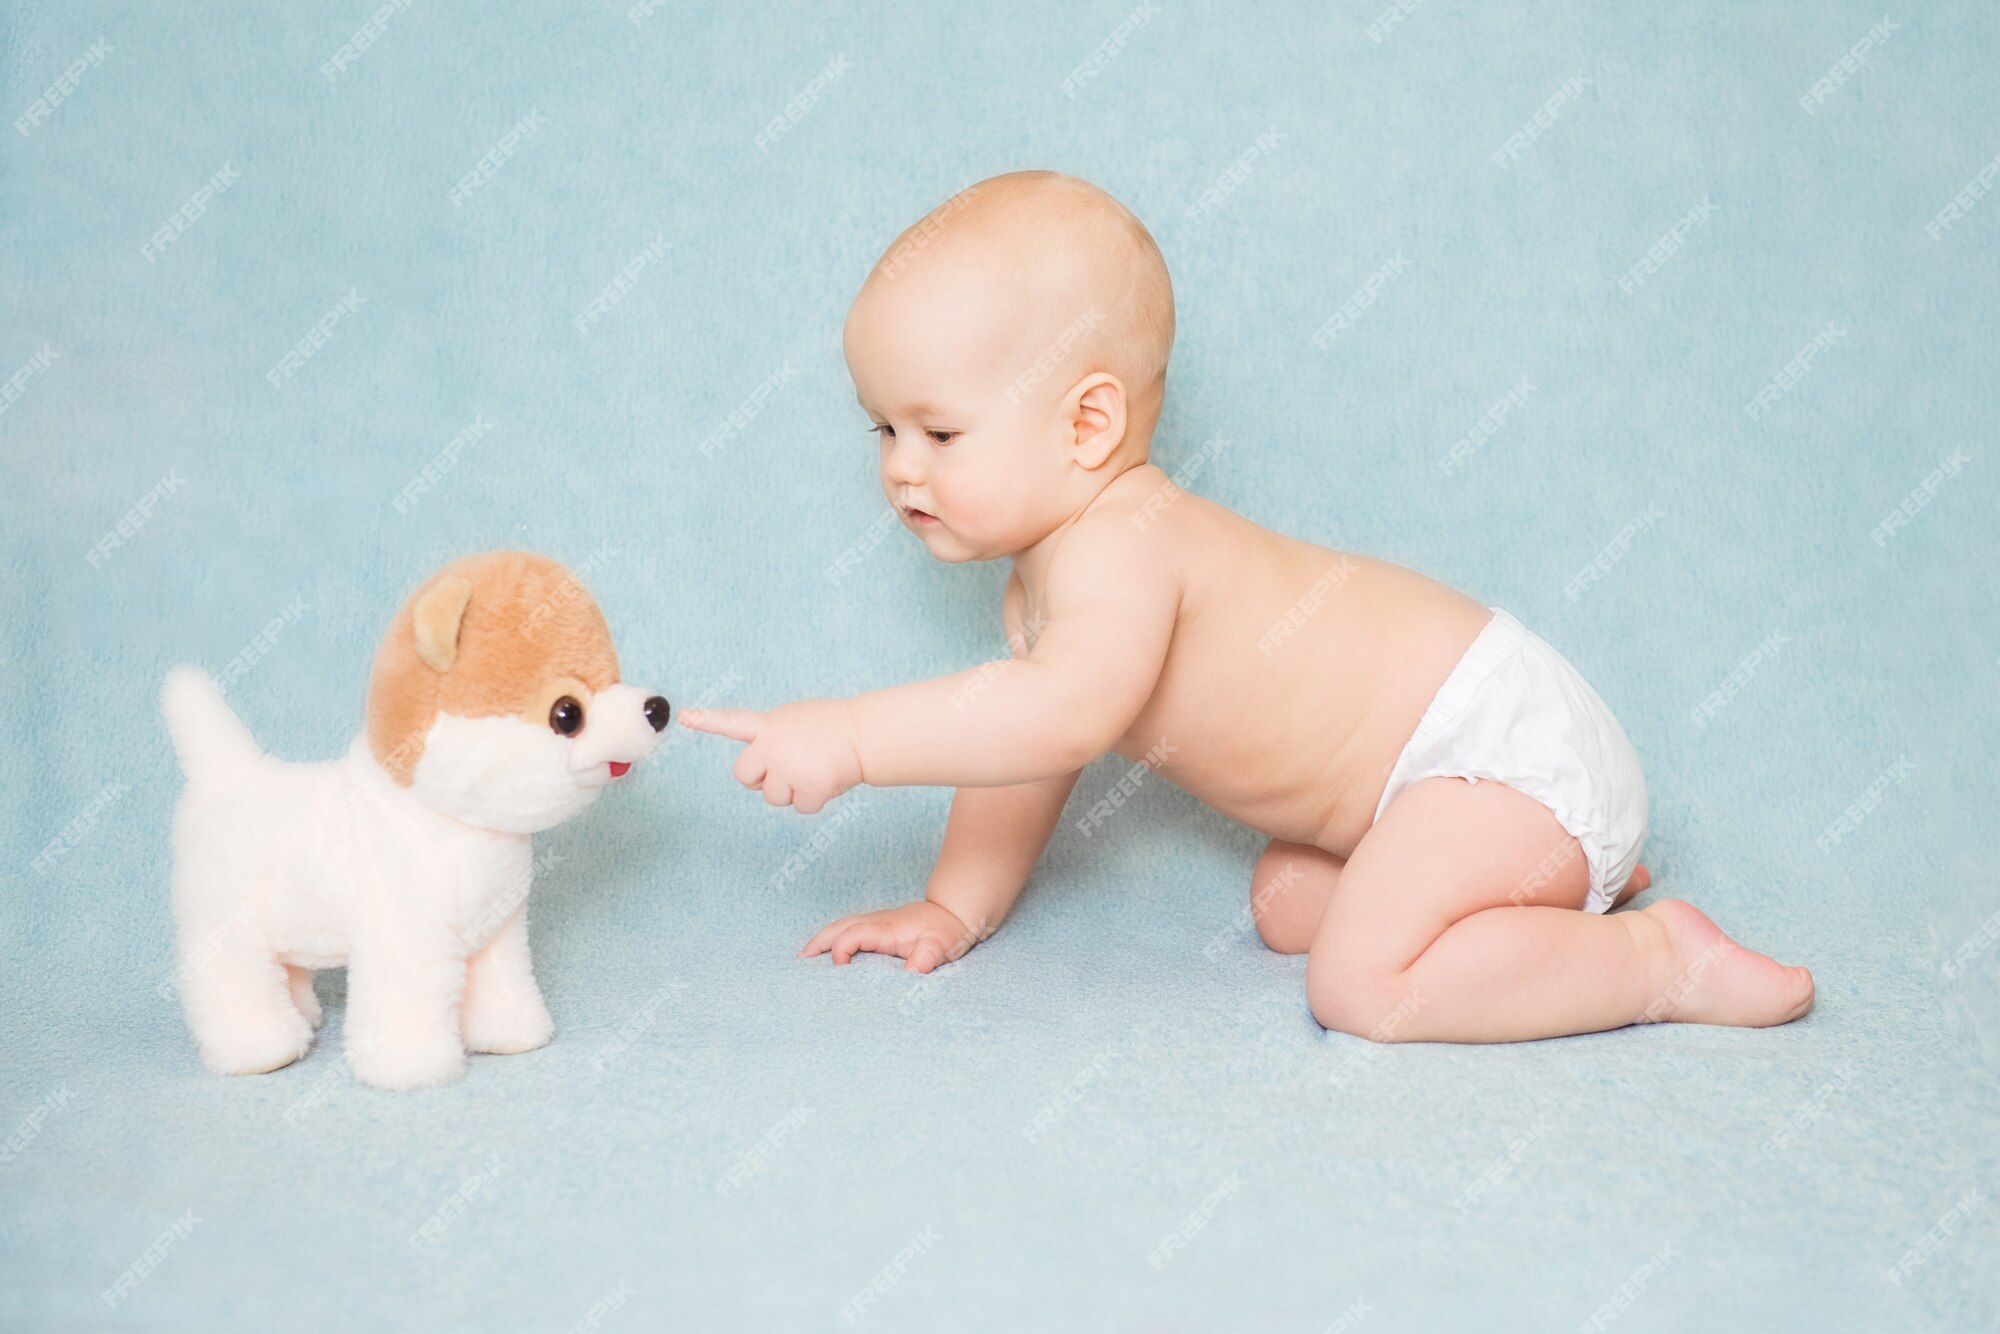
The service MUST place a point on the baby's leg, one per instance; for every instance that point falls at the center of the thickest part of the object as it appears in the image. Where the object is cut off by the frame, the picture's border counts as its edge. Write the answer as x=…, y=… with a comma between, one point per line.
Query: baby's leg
x=1288, y=892
x=1290, y=887
x=1423, y=940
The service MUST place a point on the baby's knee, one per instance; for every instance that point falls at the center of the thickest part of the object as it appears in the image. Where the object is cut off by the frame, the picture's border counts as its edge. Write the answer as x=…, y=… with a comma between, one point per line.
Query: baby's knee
x=1282, y=931
x=1279, y=936
x=1364, y=1001
x=1288, y=891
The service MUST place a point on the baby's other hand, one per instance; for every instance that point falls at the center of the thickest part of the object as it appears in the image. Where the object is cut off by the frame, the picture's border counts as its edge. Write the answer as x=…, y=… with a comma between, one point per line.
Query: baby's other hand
x=800, y=755
x=922, y=934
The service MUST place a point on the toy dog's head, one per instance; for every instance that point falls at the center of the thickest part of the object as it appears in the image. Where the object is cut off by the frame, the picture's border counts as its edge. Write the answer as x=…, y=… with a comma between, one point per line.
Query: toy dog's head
x=496, y=697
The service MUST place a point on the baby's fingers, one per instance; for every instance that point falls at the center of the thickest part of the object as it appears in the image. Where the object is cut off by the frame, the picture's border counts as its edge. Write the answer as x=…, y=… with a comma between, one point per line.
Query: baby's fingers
x=742, y=724
x=929, y=953
x=823, y=938
x=863, y=937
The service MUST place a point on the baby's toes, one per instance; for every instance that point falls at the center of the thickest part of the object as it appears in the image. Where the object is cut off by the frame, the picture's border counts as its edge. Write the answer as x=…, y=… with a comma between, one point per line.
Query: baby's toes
x=1722, y=982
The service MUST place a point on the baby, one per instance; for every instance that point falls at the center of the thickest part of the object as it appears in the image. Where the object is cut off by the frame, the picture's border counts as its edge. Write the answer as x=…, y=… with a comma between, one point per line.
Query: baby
x=1453, y=812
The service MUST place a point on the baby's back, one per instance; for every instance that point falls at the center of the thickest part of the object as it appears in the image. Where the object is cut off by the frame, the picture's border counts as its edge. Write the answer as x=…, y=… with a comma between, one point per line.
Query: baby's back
x=1296, y=673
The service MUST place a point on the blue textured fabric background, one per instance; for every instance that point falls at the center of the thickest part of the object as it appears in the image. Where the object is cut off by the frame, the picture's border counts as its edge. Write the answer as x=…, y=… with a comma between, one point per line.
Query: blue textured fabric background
x=1652, y=1179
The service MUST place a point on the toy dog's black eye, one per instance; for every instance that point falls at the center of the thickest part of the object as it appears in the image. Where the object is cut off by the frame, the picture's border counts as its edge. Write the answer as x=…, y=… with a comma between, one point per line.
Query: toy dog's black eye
x=566, y=716
x=657, y=713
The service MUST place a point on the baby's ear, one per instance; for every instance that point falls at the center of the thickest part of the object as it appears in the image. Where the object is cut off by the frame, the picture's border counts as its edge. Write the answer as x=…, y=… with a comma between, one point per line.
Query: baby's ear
x=436, y=618
x=1096, y=407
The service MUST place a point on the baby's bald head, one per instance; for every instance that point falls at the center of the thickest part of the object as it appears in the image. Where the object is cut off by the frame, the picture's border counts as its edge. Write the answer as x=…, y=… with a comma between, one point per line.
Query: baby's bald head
x=1058, y=279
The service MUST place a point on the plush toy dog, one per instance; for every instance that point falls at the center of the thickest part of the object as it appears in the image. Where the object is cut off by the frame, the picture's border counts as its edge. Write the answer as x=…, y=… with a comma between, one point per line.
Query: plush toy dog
x=495, y=711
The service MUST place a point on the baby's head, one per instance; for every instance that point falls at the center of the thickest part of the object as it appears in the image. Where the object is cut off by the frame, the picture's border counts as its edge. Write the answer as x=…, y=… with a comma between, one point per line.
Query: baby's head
x=1011, y=351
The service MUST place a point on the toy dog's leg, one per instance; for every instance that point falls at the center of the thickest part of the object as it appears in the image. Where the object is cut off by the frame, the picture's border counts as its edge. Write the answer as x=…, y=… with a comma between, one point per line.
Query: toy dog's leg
x=504, y=1011
x=403, y=998
x=300, y=980
x=238, y=1008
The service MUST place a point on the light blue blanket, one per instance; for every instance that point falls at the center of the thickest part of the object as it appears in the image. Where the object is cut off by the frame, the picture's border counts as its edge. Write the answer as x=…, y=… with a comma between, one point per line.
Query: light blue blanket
x=297, y=302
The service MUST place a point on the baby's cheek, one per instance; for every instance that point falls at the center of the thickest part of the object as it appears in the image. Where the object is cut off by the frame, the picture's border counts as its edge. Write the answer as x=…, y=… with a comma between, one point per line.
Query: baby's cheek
x=964, y=507
x=1003, y=507
x=980, y=519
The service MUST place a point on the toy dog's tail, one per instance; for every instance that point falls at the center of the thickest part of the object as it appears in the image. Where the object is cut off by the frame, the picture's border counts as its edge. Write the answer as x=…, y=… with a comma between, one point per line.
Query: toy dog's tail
x=208, y=736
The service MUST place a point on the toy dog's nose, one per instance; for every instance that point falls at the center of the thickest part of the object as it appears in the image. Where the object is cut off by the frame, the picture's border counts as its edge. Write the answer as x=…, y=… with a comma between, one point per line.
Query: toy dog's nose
x=657, y=713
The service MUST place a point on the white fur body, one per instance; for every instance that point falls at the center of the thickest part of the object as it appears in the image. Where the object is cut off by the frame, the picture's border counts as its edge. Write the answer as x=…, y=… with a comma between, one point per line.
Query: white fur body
x=419, y=891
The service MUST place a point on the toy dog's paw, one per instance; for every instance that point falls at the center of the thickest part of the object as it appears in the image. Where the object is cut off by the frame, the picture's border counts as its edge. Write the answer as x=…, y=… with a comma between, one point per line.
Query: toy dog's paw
x=254, y=1044
x=402, y=1063
x=300, y=982
x=506, y=1027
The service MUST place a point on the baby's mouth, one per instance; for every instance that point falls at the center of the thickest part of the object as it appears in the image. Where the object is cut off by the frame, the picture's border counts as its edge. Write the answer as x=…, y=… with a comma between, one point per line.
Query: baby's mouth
x=917, y=516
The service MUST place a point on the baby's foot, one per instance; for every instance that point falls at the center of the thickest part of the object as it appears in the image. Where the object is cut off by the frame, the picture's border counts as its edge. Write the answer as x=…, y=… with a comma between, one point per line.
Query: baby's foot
x=1641, y=881
x=1717, y=981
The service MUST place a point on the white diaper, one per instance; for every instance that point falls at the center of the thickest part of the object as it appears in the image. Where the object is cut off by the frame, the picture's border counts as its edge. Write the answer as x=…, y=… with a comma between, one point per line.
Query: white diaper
x=1514, y=711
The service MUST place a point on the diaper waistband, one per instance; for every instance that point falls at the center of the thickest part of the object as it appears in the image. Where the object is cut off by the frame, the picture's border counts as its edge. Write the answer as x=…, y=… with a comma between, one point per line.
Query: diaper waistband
x=1501, y=638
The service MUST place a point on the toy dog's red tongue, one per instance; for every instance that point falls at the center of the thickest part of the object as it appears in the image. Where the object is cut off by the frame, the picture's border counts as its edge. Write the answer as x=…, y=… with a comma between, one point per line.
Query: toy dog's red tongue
x=618, y=768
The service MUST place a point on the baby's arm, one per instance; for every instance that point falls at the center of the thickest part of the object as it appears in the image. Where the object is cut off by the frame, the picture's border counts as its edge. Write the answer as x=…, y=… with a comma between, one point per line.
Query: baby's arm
x=991, y=843
x=1109, y=601
x=1110, y=596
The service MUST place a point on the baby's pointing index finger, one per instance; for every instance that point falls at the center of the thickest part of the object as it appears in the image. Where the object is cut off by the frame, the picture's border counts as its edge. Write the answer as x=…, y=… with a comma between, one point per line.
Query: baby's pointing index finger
x=741, y=724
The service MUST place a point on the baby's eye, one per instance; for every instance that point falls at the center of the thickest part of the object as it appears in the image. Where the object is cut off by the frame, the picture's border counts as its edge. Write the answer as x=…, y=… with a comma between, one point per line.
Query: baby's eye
x=943, y=437
x=881, y=429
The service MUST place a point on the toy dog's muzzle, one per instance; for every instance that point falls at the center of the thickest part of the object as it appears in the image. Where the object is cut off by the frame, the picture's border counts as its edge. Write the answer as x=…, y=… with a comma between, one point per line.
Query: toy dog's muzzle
x=623, y=727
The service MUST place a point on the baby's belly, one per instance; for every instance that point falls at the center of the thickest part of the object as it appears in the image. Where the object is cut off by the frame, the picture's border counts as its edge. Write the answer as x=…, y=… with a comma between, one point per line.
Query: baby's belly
x=1299, y=745
x=1315, y=788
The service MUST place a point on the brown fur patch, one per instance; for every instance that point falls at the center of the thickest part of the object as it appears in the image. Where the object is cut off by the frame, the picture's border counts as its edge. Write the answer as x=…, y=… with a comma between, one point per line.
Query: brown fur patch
x=527, y=623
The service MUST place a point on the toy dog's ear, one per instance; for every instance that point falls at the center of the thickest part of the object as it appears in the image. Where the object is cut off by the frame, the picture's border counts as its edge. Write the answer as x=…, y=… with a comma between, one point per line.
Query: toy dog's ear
x=436, y=619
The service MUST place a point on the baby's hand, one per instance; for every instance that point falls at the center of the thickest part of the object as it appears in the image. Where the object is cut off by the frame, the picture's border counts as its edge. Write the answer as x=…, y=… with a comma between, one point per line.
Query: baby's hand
x=800, y=755
x=922, y=934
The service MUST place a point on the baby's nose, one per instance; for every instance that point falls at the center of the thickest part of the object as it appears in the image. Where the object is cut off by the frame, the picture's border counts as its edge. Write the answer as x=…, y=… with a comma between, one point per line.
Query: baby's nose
x=901, y=464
